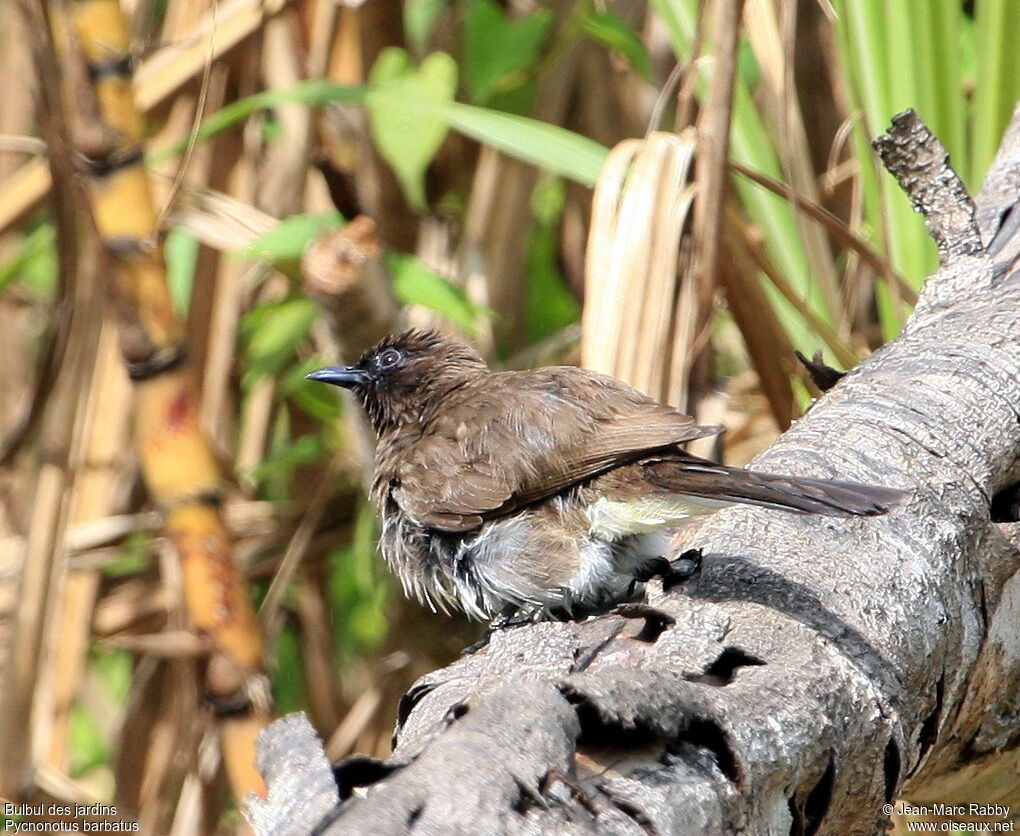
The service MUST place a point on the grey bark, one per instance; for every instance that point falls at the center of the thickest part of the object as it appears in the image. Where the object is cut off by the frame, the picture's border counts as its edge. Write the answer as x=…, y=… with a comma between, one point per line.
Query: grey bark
x=816, y=668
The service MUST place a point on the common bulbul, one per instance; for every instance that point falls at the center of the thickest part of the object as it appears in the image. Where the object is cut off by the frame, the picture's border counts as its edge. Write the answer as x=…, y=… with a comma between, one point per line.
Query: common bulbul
x=552, y=488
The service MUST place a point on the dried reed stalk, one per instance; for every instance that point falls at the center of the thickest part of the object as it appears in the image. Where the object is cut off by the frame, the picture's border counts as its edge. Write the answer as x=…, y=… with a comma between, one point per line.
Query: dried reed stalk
x=780, y=106
x=640, y=207
x=61, y=436
x=93, y=498
x=692, y=353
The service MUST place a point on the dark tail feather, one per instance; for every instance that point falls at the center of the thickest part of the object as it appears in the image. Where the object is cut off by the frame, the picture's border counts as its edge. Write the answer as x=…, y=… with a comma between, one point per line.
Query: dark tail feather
x=698, y=477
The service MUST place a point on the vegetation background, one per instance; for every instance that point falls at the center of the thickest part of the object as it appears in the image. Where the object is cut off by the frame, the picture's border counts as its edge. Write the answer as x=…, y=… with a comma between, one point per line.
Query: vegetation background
x=676, y=192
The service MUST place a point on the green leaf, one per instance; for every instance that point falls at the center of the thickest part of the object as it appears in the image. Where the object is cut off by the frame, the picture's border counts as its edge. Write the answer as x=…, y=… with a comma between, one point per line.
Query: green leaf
x=34, y=266
x=88, y=747
x=549, y=303
x=290, y=687
x=416, y=284
x=611, y=30
x=288, y=240
x=181, y=253
x=498, y=49
x=555, y=149
x=419, y=19
x=312, y=93
x=135, y=554
x=307, y=448
x=320, y=402
x=275, y=331
x=407, y=136
x=550, y=147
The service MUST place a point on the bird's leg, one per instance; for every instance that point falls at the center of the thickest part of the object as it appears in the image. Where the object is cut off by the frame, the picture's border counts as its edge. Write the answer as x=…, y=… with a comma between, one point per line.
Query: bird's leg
x=511, y=616
x=518, y=616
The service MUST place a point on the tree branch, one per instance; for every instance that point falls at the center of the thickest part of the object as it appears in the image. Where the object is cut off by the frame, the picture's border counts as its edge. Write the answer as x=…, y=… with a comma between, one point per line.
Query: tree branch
x=816, y=668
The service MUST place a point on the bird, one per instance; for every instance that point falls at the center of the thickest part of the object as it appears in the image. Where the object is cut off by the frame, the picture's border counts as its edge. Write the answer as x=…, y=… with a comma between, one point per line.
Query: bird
x=552, y=489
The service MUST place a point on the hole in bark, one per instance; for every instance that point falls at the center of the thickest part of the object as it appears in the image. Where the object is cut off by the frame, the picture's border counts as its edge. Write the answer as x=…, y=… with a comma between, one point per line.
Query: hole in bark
x=636, y=735
x=723, y=670
x=706, y=734
x=656, y=620
x=633, y=813
x=1006, y=504
x=359, y=771
x=930, y=728
x=527, y=799
x=891, y=768
x=816, y=805
x=414, y=815
x=456, y=712
x=407, y=702
x=597, y=733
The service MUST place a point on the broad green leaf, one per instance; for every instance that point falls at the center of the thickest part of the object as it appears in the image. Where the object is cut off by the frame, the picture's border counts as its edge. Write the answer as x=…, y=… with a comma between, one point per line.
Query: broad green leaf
x=288, y=240
x=611, y=30
x=275, y=332
x=499, y=49
x=180, y=249
x=416, y=284
x=553, y=148
x=408, y=137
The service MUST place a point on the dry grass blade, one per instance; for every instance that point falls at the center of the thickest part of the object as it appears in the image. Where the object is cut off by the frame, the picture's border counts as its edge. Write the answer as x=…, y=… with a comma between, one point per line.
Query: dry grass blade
x=640, y=208
x=93, y=498
x=839, y=231
x=781, y=107
x=691, y=355
x=179, y=467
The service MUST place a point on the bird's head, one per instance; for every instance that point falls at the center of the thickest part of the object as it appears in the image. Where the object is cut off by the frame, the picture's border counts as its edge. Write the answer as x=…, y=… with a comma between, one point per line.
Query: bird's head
x=400, y=378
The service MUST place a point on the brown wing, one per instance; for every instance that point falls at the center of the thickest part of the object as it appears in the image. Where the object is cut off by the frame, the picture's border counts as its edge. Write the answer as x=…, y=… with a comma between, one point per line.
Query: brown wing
x=517, y=437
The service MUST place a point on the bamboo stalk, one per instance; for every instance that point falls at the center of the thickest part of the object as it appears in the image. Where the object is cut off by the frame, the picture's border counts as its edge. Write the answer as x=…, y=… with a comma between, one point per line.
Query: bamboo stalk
x=180, y=470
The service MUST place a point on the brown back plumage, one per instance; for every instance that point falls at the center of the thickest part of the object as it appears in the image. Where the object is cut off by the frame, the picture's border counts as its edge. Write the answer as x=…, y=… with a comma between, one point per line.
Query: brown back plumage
x=459, y=444
x=507, y=439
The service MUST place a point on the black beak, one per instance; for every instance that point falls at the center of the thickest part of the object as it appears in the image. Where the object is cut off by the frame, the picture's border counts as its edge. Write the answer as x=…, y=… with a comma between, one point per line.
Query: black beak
x=346, y=376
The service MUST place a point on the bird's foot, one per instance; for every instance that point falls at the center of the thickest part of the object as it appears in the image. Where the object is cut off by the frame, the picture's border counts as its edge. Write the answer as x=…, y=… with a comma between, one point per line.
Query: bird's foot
x=672, y=572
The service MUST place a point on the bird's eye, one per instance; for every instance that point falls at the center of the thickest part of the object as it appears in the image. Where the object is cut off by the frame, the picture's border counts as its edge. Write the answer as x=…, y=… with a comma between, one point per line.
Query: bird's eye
x=389, y=358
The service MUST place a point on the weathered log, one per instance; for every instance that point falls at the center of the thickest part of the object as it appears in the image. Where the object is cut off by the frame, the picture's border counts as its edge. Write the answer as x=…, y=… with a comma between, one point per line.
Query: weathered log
x=815, y=669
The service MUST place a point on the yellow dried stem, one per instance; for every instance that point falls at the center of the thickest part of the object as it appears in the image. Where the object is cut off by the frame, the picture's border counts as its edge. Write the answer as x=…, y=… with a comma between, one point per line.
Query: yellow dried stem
x=176, y=464
x=216, y=594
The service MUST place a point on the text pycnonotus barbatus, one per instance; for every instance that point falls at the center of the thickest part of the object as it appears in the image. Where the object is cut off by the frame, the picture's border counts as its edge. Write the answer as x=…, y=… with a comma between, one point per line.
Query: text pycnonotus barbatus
x=553, y=487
